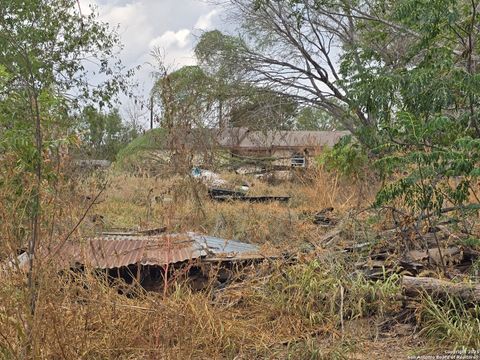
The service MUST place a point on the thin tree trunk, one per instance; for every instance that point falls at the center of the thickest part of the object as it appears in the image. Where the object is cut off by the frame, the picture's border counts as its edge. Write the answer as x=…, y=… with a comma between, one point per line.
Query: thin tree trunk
x=36, y=216
x=221, y=123
x=29, y=350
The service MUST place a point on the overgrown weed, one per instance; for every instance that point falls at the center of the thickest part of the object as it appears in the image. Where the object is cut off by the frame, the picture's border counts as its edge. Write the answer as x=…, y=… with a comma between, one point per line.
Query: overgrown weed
x=450, y=321
x=282, y=309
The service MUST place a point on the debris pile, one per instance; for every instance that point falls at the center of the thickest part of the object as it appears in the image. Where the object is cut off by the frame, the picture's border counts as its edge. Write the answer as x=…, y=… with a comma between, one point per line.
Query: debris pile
x=324, y=217
x=208, y=177
x=147, y=259
x=220, y=190
x=437, y=261
x=454, y=259
x=226, y=195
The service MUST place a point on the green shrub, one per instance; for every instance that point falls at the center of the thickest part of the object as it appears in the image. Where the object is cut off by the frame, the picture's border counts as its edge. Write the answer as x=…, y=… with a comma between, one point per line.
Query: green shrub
x=150, y=141
x=347, y=157
x=451, y=321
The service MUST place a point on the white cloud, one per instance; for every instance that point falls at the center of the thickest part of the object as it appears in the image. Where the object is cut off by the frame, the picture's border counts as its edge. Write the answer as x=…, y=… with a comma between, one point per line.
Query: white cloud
x=179, y=39
x=205, y=22
x=124, y=14
x=146, y=24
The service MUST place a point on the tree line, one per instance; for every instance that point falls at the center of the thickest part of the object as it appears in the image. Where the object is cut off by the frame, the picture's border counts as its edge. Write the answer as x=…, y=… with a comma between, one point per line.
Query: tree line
x=401, y=76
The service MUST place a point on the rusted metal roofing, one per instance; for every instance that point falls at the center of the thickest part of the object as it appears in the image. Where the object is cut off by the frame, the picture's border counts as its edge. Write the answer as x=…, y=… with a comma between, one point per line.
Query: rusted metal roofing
x=113, y=251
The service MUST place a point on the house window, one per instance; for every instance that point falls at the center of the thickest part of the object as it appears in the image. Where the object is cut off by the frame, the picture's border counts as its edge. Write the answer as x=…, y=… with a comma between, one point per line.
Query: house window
x=298, y=160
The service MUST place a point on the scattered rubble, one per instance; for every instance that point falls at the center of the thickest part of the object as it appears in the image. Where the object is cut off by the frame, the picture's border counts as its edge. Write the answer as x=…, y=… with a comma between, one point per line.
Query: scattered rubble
x=208, y=177
x=152, y=231
x=92, y=164
x=324, y=217
x=456, y=259
x=412, y=254
x=275, y=175
x=250, y=170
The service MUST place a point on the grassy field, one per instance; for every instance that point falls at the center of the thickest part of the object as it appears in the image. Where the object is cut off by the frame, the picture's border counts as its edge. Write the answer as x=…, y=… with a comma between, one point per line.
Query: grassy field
x=310, y=305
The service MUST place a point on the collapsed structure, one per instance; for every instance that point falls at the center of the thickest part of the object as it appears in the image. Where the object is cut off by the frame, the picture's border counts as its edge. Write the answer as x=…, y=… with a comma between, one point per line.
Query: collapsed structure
x=113, y=251
x=145, y=259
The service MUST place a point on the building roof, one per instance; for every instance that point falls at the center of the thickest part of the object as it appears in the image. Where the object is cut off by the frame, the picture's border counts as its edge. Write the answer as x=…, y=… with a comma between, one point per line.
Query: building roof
x=113, y=251
x=243, y=139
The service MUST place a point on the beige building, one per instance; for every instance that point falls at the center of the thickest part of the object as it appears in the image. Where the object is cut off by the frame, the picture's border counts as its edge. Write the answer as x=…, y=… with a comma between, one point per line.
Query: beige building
x=287, y=148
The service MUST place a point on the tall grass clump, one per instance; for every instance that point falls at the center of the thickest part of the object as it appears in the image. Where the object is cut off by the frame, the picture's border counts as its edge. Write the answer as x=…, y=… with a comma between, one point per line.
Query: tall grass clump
x=320, y=295
x=451, y=321
x=379, y=297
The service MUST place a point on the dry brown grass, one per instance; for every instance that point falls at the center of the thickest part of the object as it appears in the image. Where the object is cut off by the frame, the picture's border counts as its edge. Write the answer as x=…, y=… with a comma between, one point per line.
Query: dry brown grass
x=278, y=311
x=282, y=315
x=133, y=202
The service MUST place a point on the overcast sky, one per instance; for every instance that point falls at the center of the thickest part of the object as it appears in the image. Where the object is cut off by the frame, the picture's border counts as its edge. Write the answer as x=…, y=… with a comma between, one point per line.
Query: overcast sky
x=171, y=25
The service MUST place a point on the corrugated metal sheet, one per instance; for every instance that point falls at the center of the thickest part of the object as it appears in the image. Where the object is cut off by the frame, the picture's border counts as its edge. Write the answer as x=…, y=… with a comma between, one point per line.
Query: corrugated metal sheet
x=123, y=250
x=218, y=247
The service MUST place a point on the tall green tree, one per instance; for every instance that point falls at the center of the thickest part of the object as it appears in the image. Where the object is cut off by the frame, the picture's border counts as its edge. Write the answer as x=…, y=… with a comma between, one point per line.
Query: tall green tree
x=422, y=86
x=294, y=48
x=259, y=109
x=185, y=97
x=103, y=134
x=239, y=100
x=313, y=119
x=218, y=56
x=44, y=50
x=400, y=75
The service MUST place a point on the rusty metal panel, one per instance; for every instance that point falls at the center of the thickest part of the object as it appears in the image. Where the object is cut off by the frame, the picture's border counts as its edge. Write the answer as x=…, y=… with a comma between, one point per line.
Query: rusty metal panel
x=116, y=251
x=113, y=251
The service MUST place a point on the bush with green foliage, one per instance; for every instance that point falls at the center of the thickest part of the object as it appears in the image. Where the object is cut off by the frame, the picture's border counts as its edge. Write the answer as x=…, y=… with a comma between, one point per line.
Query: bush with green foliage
x=438, y=164
x=103, y=134
x=414, y=74
x=132, y=154
x=347, y=157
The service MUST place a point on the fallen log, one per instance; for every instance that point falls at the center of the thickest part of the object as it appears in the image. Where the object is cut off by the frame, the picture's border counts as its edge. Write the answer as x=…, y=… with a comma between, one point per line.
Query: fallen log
x=413, y=286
